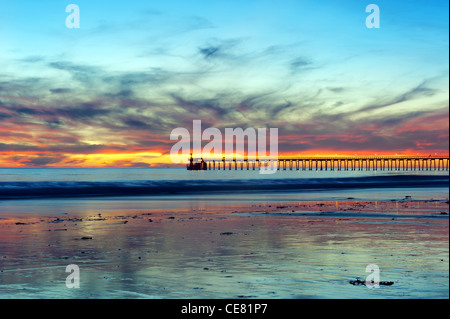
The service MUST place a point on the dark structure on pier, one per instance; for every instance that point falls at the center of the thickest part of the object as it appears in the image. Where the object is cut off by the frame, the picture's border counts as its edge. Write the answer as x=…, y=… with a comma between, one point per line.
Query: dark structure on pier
x=197, y=166
x=341, y=163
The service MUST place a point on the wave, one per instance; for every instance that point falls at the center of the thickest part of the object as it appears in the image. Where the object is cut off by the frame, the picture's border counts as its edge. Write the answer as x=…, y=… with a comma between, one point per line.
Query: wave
x=53, y=189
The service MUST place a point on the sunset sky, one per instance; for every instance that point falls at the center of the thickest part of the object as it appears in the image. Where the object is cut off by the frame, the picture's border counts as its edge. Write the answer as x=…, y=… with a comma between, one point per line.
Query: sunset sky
x=109, y=93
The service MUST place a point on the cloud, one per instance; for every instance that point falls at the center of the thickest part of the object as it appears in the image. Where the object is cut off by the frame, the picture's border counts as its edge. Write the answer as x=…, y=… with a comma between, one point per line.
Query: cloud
x=60, y=91
x=300, y=63
x=209, y=51
x=136, y=124
x=38, y=161
x=50, y=121
x=387, y=101
x=32, y=59
x=131, y=164
x=223, y=49
x=84, y=74
x=4, y=116
x=336, y=89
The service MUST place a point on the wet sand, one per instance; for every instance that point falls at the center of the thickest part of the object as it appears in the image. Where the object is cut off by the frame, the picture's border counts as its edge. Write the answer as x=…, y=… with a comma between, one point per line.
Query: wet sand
x=307, y=249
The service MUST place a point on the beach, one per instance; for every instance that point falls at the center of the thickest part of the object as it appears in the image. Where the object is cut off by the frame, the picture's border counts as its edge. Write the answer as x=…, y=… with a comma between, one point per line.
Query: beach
x=271, y=245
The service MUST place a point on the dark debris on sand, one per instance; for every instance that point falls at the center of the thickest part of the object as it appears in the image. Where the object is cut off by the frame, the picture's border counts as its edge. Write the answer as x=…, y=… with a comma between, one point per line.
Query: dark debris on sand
x=359, y=282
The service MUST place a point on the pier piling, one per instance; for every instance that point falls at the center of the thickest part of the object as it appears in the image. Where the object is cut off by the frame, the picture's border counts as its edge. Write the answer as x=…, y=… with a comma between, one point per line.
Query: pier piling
x=351, y=163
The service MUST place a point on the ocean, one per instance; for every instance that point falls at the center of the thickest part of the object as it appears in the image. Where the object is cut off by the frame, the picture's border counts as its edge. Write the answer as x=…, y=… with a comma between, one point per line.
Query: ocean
x=52, y=190
x=140, y=174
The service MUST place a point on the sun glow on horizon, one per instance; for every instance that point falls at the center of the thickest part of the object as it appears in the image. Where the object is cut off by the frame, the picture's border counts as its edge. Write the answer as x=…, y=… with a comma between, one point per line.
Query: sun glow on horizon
x=158, y=159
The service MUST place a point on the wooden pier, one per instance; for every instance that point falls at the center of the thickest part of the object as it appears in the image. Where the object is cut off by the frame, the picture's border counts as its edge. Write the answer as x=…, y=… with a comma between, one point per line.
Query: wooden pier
x=347, y=163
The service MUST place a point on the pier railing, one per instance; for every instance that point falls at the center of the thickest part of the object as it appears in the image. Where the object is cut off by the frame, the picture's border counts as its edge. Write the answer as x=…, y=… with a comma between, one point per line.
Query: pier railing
x=320, y=163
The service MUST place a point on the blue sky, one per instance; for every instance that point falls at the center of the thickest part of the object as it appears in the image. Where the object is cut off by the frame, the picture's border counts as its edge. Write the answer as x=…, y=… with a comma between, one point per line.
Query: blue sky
x=311, y=68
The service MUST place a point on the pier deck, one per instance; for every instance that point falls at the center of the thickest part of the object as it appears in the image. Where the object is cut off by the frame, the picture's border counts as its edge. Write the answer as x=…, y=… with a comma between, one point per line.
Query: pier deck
x=349, y=163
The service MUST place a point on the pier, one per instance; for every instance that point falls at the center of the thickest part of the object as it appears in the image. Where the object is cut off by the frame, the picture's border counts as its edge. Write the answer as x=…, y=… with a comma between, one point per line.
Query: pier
x=341, y=163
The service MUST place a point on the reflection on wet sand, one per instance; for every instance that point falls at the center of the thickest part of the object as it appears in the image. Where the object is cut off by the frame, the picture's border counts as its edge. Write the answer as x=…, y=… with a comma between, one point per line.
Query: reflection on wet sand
x=306, y=249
